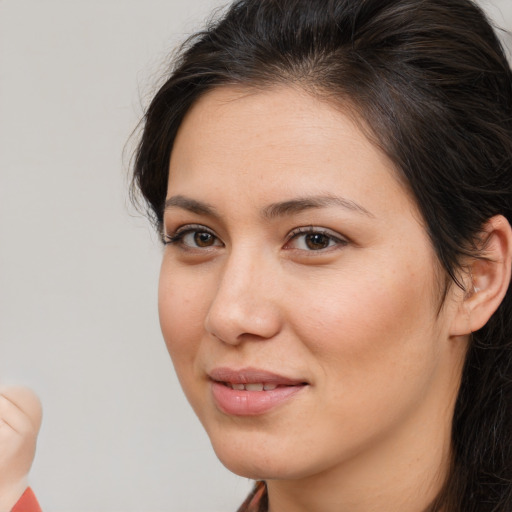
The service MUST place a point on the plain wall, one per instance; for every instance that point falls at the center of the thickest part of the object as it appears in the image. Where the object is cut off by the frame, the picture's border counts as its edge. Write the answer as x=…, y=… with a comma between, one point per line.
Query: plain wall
x=79, y=268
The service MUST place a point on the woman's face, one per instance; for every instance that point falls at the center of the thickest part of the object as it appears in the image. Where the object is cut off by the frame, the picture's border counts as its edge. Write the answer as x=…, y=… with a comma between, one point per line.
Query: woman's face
x=298, y=297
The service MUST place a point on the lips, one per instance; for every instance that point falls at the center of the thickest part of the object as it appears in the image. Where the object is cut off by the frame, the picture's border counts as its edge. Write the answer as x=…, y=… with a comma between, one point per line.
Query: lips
x=250, y=391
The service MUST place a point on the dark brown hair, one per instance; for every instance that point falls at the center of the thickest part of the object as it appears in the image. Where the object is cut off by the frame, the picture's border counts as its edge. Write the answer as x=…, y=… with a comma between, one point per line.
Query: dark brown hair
x=432, y=85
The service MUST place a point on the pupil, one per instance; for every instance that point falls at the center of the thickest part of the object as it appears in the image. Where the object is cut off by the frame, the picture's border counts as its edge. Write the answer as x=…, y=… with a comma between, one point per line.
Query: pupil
x=317, y=241
x=203, y=239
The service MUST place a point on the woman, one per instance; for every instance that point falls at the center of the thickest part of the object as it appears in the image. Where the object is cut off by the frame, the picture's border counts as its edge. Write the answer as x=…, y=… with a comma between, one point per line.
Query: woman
x=332, y=180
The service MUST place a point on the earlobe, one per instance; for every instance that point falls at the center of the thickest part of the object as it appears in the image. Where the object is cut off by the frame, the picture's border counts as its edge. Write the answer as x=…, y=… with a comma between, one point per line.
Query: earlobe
x=488, y=278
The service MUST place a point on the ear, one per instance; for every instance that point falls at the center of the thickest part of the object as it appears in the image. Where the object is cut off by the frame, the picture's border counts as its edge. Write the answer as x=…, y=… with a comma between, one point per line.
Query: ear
x=487, y=279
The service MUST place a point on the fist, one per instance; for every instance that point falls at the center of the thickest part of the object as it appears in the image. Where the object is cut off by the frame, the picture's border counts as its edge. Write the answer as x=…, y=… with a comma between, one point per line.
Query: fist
x=20, y=419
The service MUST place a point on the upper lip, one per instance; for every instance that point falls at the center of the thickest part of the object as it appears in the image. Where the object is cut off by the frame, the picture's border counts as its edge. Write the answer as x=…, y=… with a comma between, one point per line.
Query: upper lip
x=250, y=376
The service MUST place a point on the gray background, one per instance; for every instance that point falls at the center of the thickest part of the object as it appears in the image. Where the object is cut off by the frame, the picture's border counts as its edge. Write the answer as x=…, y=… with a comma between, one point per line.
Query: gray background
x=79, y=268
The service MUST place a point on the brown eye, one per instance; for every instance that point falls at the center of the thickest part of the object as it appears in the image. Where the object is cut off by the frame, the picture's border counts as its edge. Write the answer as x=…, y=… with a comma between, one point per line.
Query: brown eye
x=193, y=238
x=313, y=239
x=316, y=241
x=203, y=239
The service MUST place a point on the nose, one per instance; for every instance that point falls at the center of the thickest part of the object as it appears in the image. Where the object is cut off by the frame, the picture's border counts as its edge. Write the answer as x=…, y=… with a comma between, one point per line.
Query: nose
x=245, y=304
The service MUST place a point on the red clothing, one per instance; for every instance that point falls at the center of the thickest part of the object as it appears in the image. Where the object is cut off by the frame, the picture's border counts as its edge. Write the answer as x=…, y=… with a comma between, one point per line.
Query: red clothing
x=27, y=503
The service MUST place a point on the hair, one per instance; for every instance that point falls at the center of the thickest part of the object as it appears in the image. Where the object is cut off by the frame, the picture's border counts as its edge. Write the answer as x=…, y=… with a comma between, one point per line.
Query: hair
x=432, y=86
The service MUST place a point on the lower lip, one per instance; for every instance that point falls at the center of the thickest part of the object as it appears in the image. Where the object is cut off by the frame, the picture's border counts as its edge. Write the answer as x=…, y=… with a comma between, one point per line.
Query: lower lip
x=251, y=403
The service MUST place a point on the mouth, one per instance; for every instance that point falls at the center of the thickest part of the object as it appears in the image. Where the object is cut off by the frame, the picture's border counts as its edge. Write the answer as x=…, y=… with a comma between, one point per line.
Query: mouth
x=251, y=392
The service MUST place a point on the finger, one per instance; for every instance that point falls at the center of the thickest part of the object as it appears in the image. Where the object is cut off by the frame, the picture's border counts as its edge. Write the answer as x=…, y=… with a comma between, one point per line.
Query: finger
x=13, y=417
x=19, y=405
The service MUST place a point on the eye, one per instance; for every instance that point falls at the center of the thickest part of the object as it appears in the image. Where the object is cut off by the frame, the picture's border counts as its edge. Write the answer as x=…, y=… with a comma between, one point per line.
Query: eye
x=199, y=239
x=313, y=239
x=193, y=237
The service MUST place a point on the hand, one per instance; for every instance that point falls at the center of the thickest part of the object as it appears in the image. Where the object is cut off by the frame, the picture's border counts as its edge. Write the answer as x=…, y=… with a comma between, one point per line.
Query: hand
x=20, y=419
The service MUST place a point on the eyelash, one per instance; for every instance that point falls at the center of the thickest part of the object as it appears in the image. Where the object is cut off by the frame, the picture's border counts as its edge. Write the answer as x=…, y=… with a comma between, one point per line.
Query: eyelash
x=333, y=240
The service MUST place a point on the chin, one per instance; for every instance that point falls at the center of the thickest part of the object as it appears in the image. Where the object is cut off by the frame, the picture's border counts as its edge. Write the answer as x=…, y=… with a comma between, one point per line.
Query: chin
x=259, y=469
x=260, y=461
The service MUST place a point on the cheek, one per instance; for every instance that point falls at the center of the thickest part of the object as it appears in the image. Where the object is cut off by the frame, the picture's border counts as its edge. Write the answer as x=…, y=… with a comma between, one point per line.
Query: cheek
x=375, y=358
x=182, y=309
x=370, y=330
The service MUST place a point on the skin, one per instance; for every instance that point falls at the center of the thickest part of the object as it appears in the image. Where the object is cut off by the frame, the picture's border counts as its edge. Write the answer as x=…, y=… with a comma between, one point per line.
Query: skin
x=358, y=319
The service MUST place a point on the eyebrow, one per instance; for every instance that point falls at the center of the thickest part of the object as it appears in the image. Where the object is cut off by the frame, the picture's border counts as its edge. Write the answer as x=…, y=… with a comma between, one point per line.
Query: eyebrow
x=274, y=210
x=191, y=205
x=301, y=204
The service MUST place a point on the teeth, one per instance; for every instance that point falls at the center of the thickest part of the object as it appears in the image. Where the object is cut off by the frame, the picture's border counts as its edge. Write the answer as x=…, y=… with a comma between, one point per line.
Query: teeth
x=254, y=387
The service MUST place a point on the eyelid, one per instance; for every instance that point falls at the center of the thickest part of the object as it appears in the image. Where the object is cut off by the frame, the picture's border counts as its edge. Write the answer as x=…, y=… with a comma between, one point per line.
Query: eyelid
x=188, y=227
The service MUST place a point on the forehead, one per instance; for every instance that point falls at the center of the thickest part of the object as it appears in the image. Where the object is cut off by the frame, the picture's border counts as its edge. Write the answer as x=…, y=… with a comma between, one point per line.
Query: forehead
x=269, y=120
x=277, y=142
